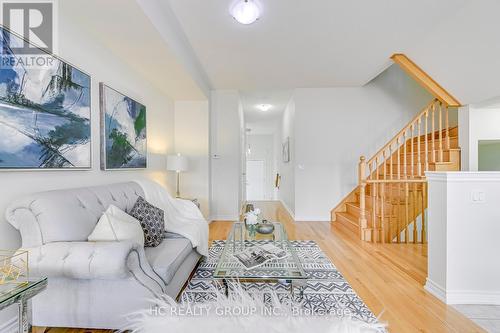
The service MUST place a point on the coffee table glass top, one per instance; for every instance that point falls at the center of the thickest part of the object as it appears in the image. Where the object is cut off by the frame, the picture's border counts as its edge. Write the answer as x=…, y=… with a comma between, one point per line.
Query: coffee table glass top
x=239, y=238
x=10, y=293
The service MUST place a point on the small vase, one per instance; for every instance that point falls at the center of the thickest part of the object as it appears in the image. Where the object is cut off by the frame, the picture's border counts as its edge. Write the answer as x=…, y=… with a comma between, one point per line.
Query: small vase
x=251, y=230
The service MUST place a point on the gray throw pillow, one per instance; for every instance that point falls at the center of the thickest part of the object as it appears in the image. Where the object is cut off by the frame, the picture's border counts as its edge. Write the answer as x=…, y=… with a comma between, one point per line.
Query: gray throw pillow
x=152, y=221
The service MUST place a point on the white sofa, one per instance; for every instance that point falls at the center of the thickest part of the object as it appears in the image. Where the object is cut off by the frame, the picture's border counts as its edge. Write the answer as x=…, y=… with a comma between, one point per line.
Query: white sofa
x=94, y=284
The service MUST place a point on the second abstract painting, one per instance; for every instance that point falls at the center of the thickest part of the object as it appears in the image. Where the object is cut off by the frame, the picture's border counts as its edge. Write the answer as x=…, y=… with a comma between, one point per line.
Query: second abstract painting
x=123, y=131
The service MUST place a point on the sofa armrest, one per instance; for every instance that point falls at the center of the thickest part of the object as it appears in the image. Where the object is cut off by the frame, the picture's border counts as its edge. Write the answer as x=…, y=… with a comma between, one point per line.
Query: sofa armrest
x=189, y=208
x=94, y=260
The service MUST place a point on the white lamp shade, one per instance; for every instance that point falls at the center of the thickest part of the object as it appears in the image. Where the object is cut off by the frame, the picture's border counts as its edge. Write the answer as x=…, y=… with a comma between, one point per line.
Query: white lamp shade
x=177, y=163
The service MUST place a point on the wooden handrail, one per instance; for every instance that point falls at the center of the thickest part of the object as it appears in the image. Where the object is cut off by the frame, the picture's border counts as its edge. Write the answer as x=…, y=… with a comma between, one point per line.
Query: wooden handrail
x=406, y=128
x=392, y=187
x=425, y=80
x=403, y=189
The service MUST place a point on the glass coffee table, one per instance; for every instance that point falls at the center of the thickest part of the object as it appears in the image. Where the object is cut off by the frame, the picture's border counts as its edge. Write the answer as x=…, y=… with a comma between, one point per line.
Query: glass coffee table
x=20, y=295
x=287, y=270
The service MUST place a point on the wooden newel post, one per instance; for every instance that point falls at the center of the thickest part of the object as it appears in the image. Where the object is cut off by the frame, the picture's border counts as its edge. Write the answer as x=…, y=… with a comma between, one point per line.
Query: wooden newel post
x=363, y=224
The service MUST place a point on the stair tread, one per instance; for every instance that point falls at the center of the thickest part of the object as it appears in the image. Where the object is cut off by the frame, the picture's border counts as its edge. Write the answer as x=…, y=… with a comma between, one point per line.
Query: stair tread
x=421, y=162
x=436, y=138
x=393, y=202
x=349, y=222
x=356, y=205
x=429, y=151
x=450, y=129
x=351, y=218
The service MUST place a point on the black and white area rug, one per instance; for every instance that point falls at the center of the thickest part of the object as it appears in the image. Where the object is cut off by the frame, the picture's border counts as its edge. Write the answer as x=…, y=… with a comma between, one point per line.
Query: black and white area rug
x=326, y=290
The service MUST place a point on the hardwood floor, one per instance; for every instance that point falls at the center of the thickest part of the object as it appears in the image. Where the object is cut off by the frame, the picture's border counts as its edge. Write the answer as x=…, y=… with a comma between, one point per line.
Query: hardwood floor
x=388, y=277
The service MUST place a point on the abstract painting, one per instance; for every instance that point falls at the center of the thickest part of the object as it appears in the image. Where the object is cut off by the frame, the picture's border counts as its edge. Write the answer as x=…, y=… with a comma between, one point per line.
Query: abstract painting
x=44, y=113
x=123, y=131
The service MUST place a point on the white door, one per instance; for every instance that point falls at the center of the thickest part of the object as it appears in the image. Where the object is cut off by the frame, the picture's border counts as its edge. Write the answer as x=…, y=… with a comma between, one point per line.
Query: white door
x=255, y=180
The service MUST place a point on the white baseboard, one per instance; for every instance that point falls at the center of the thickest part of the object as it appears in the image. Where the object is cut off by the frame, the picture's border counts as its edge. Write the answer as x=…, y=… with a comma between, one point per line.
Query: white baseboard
x=224, y=218
x=472, y=297
x=304, y=218
x=462, y=296
x=287, y=209
x=312, y=219
x=435, y=290
x=10, y=326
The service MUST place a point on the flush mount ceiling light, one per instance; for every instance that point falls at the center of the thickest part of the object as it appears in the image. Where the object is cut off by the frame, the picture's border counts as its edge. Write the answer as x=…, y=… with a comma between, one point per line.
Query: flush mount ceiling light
x=264, y=107
x=245, y=11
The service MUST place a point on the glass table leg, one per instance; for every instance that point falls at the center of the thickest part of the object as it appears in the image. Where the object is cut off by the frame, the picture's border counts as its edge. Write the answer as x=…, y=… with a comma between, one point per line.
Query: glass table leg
x=298, y=285
x=226, y=287
x=23, y=324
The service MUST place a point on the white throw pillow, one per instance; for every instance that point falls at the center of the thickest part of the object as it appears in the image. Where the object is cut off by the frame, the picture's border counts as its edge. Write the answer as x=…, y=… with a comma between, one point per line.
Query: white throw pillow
x=116, y=225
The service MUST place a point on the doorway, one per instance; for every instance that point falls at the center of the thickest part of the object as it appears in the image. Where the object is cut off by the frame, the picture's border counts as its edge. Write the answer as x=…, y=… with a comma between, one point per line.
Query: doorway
x=255, y=179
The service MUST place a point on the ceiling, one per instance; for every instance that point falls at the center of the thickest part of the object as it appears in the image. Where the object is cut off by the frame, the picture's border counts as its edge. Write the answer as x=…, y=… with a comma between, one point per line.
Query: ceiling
x=187, y=47
x=297, y=43
x=463, y=52
x=277, y=98
x=131, y=36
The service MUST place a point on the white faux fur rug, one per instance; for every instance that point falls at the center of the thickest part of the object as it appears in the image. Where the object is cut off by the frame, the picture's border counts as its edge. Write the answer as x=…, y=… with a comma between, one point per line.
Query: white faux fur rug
x=241, y=313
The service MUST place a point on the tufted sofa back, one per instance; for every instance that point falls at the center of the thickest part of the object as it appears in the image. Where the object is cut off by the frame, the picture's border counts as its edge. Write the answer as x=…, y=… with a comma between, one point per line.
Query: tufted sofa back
x=67, y=215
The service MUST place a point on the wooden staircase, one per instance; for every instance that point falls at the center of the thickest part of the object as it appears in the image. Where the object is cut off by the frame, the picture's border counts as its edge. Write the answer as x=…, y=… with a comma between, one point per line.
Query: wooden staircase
x=389, y=204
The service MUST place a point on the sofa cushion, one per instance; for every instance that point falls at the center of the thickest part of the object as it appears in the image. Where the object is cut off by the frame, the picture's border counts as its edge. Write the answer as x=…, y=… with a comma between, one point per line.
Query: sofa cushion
x=166, y=258
x=152, y=221
x=116, y=225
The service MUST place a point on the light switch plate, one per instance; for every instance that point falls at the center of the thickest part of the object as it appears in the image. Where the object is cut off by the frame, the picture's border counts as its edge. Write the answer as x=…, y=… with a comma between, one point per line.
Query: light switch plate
x=478, y=197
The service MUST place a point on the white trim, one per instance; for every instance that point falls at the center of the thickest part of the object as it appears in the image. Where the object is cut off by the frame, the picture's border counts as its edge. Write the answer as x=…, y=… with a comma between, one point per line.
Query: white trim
x=462, y=296
x=10, y=326
x=463, y=176
x=473, y=297
x=217, y=220
x=312, y=219
x=435, y=289
x=225, y=218
x=287, y=209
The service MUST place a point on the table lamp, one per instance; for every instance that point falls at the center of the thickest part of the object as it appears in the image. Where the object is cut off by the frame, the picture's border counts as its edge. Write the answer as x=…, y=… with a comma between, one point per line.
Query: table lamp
x=177, y=163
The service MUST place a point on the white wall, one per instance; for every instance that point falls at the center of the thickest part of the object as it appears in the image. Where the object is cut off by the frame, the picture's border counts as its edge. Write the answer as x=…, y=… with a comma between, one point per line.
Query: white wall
x=286, y=192
x=103, y=67
x=225, y=151
x=463, y=265
x=242, y=197
x=192, y=140
x=335, y=126
x=262, y=148
x=476, y=124
x=78, y=48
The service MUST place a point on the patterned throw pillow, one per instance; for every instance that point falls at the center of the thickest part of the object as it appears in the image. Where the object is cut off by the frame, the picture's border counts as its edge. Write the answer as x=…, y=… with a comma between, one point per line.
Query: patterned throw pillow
x=152, y=221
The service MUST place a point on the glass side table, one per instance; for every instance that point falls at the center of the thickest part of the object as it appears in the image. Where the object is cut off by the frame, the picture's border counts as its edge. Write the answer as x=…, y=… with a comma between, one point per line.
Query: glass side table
x=20, y=295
